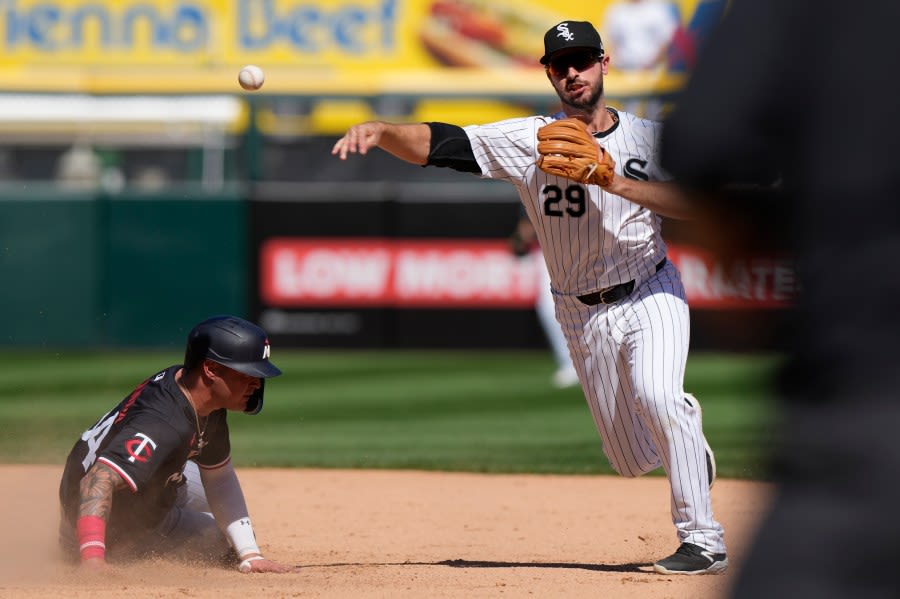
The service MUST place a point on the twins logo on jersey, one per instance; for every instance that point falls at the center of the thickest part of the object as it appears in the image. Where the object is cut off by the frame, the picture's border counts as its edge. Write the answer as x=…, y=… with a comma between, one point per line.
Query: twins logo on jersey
x=140, y=448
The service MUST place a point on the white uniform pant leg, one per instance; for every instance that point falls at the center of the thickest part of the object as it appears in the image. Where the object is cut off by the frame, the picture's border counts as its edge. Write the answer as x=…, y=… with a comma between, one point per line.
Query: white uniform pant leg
x=658, y=325
x=596, y=347
x=631, y=358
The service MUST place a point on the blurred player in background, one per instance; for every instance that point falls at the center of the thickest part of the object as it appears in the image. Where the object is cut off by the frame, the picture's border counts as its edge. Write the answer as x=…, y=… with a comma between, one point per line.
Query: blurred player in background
x=153, y=477
x=619, y=300
x=523, y=242
x=796, y=91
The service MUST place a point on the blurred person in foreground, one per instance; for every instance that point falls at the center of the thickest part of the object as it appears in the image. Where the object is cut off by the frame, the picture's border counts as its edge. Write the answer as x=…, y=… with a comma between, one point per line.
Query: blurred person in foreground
x=153, y=477
x=619, y=300
x=795, y=90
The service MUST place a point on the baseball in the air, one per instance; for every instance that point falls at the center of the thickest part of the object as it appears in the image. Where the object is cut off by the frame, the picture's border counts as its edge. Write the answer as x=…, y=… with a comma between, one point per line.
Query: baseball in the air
x=251, y=77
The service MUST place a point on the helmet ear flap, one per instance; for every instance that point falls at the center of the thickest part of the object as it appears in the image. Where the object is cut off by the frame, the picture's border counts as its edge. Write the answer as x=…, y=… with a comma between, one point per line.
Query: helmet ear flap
x=255, y=401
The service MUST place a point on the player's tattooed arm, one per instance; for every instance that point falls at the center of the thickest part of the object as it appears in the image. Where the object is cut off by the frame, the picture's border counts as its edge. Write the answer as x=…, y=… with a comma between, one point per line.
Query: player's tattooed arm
x=97, y=488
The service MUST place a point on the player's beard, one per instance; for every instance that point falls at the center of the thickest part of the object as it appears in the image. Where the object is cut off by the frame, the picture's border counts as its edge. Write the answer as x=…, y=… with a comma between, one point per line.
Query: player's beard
x=588, y=102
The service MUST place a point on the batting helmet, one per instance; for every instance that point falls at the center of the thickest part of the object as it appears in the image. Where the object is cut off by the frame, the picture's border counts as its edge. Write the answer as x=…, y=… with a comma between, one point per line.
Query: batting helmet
x=235, y=343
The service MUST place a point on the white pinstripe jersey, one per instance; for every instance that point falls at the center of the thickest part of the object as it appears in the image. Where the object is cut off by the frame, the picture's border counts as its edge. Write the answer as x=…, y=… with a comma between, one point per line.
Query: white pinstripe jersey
x=591, y=239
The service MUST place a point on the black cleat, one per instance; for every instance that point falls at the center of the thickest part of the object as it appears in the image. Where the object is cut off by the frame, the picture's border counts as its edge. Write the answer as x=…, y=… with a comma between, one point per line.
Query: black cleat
x=692, y=559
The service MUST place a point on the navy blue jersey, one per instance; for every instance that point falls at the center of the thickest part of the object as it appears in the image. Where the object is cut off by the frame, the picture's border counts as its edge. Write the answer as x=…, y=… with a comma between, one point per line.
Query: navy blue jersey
x=146, y=439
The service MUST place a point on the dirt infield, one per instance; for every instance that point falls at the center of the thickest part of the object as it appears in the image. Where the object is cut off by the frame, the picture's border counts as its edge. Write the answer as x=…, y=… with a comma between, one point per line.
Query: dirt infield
x=390, y=534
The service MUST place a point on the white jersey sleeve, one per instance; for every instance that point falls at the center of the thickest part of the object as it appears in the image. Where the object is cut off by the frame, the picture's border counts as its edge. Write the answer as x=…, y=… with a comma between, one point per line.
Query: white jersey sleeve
x=506, y=150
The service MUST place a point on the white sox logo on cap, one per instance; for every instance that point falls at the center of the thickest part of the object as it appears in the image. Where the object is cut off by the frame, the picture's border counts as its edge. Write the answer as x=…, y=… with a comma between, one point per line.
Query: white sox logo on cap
x=564, y=32
x=570, y=34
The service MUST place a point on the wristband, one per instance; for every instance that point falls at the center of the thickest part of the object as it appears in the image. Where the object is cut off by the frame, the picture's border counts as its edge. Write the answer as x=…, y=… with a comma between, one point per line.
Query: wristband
x=91, y=537
x=245, y=565
x=240, y=534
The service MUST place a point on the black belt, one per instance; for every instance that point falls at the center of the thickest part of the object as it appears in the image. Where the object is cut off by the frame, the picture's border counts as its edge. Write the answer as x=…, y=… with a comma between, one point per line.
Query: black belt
x=611, y=295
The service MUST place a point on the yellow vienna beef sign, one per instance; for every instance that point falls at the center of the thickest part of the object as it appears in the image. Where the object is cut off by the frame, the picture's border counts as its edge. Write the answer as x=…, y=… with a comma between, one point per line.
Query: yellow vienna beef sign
x=198, y=33
x=331, y=37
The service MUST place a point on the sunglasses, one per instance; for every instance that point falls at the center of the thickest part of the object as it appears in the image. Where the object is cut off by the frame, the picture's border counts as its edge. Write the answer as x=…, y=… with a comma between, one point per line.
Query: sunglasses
x=580, y=61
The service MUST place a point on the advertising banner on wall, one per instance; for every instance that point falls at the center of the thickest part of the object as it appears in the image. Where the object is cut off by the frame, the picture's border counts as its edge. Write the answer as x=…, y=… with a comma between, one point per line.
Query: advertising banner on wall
x=465, y=273
x=369, y=269
x=359, y=266
x=309, y=46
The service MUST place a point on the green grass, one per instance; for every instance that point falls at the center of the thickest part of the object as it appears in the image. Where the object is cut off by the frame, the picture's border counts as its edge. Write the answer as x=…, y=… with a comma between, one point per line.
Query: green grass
x=489, y=411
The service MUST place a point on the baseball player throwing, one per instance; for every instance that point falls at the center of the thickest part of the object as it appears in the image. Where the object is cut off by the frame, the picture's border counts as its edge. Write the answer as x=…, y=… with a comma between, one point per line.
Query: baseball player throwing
x=591, y=183
x=154, y=477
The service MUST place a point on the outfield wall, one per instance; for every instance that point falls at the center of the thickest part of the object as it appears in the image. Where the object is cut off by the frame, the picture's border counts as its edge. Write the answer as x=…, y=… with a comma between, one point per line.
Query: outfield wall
x=319, y=265
x=92, y=270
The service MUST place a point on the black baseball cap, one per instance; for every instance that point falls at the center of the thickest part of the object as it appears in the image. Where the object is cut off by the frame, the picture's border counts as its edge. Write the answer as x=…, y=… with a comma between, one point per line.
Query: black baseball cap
x=570, y=34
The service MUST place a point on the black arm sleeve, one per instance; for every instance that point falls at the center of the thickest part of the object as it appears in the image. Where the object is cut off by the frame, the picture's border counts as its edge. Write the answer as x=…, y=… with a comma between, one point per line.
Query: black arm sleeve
x=450, y=147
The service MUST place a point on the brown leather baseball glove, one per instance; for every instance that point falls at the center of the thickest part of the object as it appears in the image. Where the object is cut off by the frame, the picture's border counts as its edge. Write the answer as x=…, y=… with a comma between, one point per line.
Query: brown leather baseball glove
x=567, y=149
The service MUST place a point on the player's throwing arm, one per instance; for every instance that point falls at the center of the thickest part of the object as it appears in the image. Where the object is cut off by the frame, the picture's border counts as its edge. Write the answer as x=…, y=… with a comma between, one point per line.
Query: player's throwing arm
x=409, y=142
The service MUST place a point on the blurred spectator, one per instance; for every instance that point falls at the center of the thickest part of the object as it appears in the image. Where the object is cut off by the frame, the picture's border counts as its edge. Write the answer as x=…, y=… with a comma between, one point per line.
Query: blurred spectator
x=151, y=178
x=112, y=178
x=690, y=36
x=638, y=33
x=79, y=168
x=780, y=88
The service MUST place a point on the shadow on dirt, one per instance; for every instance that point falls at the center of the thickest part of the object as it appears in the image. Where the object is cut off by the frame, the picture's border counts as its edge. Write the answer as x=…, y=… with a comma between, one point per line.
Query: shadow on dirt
x=464, y=563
